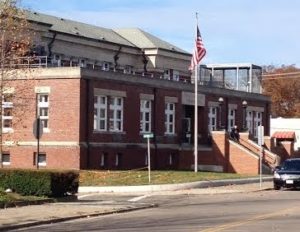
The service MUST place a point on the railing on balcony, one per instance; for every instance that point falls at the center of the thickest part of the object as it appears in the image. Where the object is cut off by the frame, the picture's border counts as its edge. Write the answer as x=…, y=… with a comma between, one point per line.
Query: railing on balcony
x=44, y=62
x=242, y=77
x=27, y=62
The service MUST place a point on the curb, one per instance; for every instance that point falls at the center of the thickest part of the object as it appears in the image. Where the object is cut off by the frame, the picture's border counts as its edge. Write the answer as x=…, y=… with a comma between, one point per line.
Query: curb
x=169, y=187
x=56, y=220
x=25, y=203
x=37, y=202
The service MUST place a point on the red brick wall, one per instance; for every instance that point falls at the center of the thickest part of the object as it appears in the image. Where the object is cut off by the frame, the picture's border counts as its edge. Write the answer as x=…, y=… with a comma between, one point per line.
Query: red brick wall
x=64, y=124
x=56, y=157
x=71, y=120
x=241, y=162
x=220, y=147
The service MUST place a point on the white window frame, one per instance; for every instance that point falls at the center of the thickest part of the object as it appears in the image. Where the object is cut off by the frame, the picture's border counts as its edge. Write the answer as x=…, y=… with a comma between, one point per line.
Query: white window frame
x=128, y=69
x=114, y=108
x=98, y=107
x=231, y=118
x=249, y=120
x=56, y=60
x=105, y=66
x=169, y=113
x=42, y=104
x=167, y=74
x=144, y=110
x=118, y=159
x=4, y=163
x=6, y=105
x=257, y=122
x=43, y=163
x=82, y=63
x=212, y=118
x=175, y=76
x=103, y=159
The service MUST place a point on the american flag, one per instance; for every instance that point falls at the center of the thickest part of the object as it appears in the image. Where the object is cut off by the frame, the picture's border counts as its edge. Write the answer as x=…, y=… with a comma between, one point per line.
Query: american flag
x=199, y=51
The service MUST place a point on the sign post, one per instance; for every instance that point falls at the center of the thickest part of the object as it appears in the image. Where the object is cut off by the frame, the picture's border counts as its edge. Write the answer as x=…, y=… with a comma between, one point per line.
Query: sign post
x=148, y=137
x=37, y=132
x=260, y=137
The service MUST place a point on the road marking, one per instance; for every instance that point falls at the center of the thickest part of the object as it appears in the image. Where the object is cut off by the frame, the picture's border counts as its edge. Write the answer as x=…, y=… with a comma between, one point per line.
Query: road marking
x=249, y=220
x=135, y=199
x=86, y=195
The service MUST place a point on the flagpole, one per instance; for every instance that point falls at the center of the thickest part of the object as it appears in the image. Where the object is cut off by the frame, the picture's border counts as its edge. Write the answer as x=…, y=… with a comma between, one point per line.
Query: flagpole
x=196, y=112
x=196, y=121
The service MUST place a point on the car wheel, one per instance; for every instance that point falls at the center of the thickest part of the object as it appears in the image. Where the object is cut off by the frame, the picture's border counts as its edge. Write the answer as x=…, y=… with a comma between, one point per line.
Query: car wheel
x=277, y=187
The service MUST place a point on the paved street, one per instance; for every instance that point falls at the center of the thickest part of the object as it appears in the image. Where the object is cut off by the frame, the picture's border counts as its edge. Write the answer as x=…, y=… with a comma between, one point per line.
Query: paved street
x=236, y=211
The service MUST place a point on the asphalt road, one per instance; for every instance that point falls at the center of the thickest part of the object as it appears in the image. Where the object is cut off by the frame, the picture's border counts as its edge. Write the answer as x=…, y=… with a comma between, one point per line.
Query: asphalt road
x=254, y=211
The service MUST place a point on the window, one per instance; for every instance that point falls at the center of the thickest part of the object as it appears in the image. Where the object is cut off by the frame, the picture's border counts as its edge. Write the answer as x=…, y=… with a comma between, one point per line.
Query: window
x=249, y=119
x=108, y=113
x=175, y=75
x=167, y=74
x=5, y=159
x=171, y=159
x=56, y=60
x=100, y=113
x=128, y=69
x=105, y=66
x=212, y=118
x=170, y=118
x=103, y=160
x=257, y=122
x=118, y=159
x=43, y=110
x=7, y=117
x=41, y=159
x=145, y=116
x=116, y=114
x=231, y=118
x=82, y=63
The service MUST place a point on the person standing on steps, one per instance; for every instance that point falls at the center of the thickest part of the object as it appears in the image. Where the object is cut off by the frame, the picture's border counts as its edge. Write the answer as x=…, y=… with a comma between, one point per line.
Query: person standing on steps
x=235, y=134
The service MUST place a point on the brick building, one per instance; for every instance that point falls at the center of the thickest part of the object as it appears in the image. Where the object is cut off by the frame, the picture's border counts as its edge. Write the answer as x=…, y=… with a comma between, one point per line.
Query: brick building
x=97, y=91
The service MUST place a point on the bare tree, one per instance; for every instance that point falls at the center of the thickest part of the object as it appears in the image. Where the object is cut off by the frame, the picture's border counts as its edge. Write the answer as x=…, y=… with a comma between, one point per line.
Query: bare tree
x=15, y=44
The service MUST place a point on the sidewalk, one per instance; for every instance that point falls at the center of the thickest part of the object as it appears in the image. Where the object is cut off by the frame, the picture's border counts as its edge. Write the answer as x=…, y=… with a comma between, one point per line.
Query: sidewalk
x=13, y=218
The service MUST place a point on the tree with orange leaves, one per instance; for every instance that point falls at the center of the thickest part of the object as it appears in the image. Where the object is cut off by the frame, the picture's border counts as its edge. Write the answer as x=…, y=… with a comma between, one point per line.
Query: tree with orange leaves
x=283, y=85
x=15, y=42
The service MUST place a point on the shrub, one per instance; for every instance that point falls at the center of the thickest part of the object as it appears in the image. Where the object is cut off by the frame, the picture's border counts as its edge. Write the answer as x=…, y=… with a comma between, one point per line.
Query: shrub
x=39, y=182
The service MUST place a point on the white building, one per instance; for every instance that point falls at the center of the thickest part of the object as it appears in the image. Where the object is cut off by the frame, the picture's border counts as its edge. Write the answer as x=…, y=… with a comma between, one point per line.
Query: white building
x=287, y=124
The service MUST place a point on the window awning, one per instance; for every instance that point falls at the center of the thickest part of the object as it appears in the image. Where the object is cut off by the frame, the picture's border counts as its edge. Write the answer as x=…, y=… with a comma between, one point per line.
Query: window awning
x=284, y=135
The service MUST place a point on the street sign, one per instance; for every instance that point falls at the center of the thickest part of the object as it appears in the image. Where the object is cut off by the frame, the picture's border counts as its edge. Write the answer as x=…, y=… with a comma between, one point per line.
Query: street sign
x=148, y=136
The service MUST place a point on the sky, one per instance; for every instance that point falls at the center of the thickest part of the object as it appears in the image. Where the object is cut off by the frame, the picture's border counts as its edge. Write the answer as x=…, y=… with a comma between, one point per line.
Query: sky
x=262, y=32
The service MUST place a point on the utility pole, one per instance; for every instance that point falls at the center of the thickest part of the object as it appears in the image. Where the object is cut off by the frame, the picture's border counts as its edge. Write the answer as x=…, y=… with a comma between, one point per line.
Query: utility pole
x=1, y=95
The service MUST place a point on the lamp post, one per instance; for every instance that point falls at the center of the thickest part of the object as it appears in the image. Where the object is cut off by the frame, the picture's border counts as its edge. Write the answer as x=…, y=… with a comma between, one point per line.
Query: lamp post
x=244, y=104
x=221, y=101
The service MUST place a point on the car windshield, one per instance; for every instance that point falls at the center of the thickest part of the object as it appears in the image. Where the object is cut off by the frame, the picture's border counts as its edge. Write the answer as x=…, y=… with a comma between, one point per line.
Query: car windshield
x=291, y=165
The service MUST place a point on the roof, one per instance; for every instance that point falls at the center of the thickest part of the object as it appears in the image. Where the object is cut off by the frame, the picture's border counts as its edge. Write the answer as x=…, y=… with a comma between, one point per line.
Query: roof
x=145, y=40
x=78, y=29
x=133, y=37
x=284, y=135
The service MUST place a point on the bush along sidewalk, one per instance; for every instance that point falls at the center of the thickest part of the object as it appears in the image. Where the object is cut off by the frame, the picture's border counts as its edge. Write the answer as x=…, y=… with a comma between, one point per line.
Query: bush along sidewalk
x=40, y=182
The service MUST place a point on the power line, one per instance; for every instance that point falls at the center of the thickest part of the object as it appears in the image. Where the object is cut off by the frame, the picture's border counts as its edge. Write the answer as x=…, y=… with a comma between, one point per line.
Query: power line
x=280, y=74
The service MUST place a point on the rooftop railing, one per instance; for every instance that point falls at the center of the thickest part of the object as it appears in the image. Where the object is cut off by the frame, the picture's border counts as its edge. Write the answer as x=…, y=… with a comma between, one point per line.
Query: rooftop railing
x=241, y=77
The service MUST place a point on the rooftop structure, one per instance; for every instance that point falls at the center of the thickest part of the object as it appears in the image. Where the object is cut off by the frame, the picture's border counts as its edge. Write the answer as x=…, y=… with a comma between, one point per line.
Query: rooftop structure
x=241, y=76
